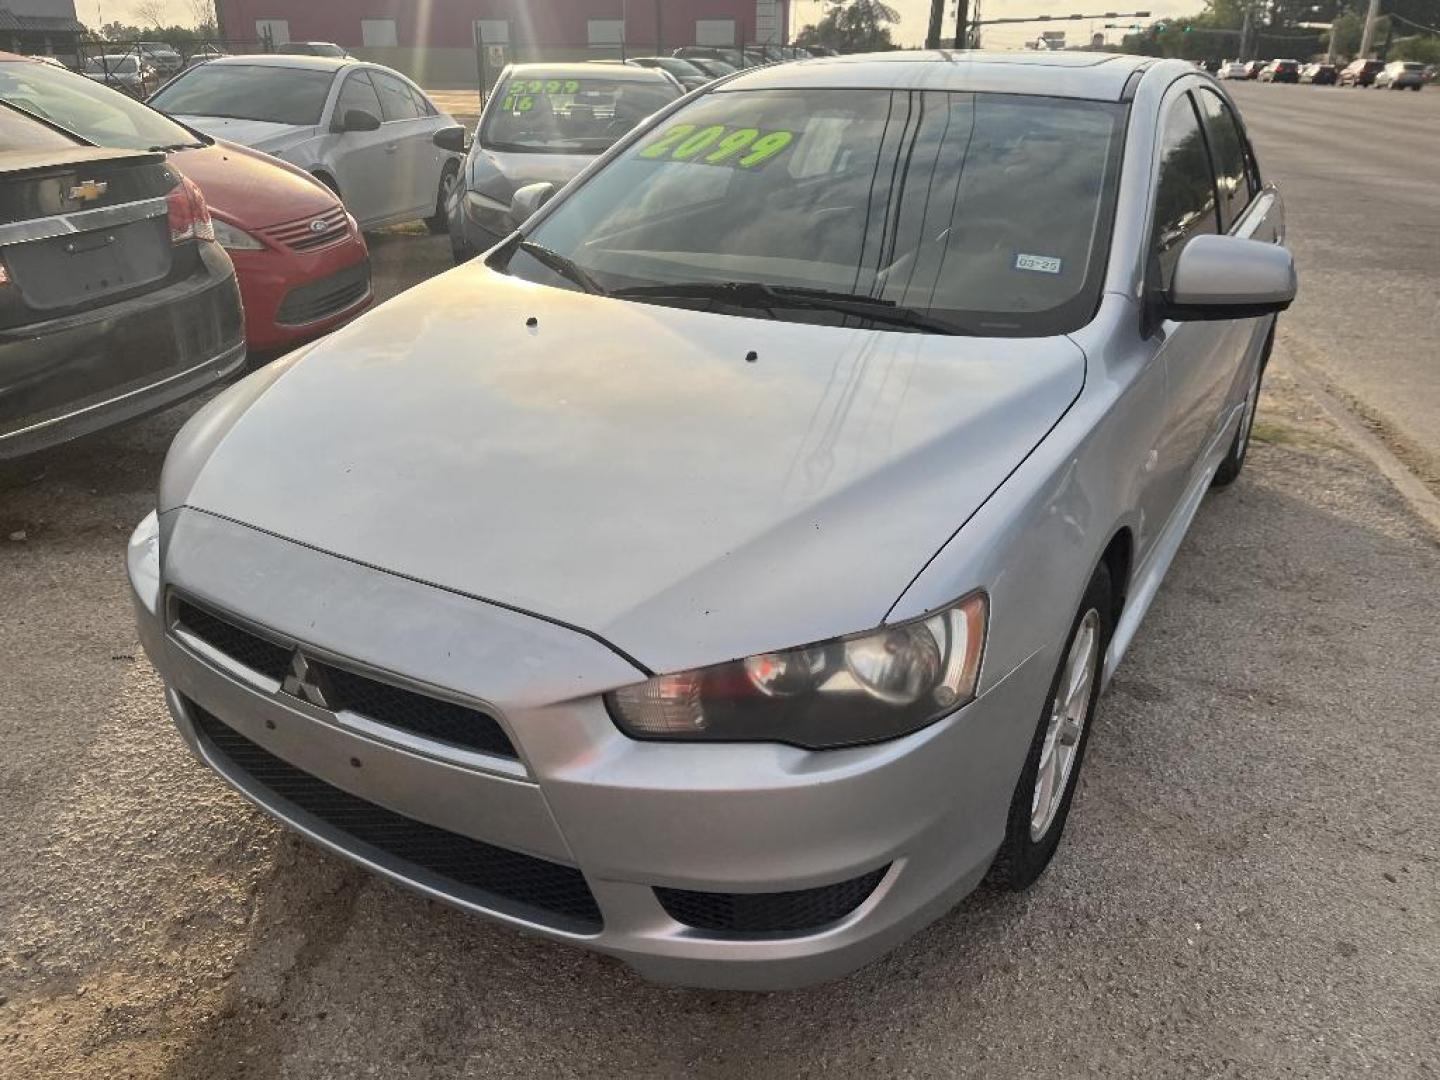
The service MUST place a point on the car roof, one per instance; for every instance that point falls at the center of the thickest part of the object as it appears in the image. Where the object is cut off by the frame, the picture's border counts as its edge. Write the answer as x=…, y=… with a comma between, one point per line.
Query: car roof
x=286, y=60
x=1095, y=76
x=598, y=70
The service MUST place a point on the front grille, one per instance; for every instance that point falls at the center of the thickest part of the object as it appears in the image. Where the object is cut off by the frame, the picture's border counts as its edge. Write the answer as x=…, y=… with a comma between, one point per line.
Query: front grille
x=306, y=235
x=345, y=690
x=753, y=914
x=330, y=295
x=253, y=651
x=522, y=885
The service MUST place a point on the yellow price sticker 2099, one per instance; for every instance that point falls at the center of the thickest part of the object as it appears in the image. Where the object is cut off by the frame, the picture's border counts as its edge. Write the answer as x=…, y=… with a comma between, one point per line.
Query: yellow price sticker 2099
x=741, y=148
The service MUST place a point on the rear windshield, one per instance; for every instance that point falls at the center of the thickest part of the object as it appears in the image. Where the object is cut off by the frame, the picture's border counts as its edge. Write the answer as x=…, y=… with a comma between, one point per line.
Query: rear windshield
x=988, y=212
x=21, y=133
x=559, y=114
x=90, y=110
x=279, y=95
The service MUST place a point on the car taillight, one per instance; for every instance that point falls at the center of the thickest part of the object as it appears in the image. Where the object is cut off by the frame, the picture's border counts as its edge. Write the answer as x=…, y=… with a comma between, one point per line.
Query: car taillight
x=189, y=216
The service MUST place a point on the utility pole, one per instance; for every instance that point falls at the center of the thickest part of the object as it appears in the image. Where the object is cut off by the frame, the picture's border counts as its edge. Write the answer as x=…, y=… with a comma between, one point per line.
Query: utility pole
x=1367, y=39
x=962, y=24
x=1245, y=35
x=937, y=21
x=1334, y=33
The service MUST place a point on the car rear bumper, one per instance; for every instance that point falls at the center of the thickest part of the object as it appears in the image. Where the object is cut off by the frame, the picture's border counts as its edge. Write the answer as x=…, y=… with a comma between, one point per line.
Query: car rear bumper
x=58, y=379
x=852, y=850
x=275, y=285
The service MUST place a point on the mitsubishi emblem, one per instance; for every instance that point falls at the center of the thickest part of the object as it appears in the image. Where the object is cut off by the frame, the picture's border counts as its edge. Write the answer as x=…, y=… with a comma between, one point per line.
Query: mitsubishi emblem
x=304, y=681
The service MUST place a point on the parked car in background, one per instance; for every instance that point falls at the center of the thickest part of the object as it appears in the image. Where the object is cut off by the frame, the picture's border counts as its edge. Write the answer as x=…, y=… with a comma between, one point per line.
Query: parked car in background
x=1253, y=69
x=162, y=57
x=203, y=55
x=126, y=72
x=722, y=574
x=115, y=299
x=363, y=130
x=312, y=48
x=712, y=67
x=733, y=57
x=543, y=124
x=1401, y=75
x=301, y=260
x=683, y=71
x=1429, y=73
x=1280, y=71
x=1234, y=69
x=1319, y=74
x=1360, y=73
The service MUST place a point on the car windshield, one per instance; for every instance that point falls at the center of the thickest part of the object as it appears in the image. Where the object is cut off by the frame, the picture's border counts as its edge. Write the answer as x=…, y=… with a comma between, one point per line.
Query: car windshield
x=561, y=114
x=94, y=112
x=279, y=95
x=987, y=213
x=675, y=66
x=112, y=64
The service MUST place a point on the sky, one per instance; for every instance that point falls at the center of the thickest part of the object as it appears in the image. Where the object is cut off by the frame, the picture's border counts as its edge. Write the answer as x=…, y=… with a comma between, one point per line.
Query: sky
x=914, y=16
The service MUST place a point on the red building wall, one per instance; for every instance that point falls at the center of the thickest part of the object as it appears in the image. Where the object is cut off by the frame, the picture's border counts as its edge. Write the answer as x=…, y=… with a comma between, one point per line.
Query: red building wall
x=534, y=24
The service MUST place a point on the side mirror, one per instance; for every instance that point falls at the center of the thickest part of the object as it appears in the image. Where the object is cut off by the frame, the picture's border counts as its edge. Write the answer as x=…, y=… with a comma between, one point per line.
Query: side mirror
x=1225, y=277
x=359, y=120
x=529, y=199
x=451, y=139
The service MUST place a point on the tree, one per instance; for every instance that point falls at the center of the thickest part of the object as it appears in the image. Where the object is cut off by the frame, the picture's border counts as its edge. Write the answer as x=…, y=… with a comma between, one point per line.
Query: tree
x=149, y=12
x=202, y=14
x=852, y=26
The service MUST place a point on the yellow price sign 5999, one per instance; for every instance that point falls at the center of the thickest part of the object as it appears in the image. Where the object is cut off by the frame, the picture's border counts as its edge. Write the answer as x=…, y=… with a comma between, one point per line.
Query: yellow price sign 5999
x=741, y=148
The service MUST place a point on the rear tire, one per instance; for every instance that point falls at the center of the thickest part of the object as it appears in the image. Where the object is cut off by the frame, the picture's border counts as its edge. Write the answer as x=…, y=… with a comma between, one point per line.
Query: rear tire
x=1046, y=787
x=439, y=222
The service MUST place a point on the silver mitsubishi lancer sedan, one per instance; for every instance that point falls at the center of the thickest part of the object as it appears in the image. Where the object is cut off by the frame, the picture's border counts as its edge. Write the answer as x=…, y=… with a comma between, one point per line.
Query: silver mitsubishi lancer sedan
x=721, y=571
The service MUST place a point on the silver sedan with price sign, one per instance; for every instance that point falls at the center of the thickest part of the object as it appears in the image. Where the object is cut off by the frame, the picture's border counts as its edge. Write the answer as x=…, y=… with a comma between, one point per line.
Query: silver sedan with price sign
x=721, y=573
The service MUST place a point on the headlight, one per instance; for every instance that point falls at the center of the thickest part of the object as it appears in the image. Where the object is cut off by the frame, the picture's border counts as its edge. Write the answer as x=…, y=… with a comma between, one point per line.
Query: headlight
x=860, y=689
x=478, y=204
x=233, y=238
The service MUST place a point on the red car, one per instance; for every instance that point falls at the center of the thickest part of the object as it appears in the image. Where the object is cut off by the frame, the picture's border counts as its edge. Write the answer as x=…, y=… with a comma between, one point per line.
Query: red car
x=300, y=258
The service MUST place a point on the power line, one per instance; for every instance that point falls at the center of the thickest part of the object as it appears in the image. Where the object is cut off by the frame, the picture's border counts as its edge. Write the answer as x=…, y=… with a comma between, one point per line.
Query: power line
x=1416, y=25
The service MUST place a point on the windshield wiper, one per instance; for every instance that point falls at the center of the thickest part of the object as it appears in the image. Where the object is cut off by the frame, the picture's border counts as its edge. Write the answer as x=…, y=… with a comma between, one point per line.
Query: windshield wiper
x=168, y=147
x=756, y=294
x=562, y=265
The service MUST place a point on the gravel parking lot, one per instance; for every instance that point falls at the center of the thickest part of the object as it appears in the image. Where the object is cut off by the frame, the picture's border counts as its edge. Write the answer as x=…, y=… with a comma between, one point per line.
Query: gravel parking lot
x=1250, y=885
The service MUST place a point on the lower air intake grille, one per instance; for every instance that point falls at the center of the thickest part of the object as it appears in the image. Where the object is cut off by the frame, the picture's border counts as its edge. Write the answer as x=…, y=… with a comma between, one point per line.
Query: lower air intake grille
x=769, y=913
x=531, y=888
x=318, y=300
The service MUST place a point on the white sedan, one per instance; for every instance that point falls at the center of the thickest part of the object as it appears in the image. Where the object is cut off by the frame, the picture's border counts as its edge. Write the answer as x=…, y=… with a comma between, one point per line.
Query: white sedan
x=363, y=130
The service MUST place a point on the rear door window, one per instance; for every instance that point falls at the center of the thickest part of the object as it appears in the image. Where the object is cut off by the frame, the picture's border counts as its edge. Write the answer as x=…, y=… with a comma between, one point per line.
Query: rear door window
x=1185, y=190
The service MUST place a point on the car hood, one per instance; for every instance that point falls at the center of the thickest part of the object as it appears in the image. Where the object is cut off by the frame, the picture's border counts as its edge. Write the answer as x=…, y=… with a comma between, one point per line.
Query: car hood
x=500, y=175
x=252, y=189
x=258, y=134
x=622, y=467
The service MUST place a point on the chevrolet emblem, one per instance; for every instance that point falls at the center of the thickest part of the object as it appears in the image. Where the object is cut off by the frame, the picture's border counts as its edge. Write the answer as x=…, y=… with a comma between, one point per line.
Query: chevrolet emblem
x=88, y=190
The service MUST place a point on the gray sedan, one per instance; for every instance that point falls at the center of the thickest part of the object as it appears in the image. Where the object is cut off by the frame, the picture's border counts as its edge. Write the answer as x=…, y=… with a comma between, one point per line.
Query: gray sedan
x=722, y=572
x=545, y=122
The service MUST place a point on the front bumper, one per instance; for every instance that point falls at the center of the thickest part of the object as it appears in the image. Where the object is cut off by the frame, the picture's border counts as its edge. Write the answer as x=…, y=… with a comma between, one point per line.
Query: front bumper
x=272, y=279
x=917, y=820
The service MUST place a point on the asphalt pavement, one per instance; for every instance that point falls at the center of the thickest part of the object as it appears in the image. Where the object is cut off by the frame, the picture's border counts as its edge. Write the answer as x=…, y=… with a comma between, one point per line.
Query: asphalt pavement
x=1249, y=886
x=1360, y=172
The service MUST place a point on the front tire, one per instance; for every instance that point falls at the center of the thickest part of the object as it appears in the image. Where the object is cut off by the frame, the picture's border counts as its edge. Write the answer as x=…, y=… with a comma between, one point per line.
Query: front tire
x=439, y=222
x=1041, y=803
x=1229, y=469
